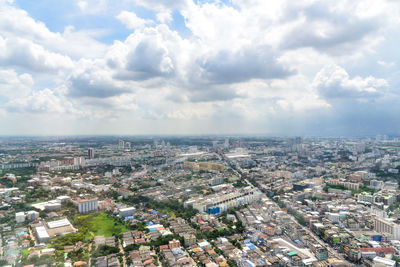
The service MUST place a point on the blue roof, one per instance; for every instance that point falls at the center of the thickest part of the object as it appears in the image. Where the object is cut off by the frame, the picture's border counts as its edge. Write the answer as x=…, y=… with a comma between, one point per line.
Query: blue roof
x=127, y=218
x=149, y=223
x=164, y=216
x=260, y=260
x=251, y=246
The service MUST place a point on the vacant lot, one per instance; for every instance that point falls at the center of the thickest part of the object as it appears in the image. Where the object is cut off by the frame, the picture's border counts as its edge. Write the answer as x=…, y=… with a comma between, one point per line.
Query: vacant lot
x=99, y=223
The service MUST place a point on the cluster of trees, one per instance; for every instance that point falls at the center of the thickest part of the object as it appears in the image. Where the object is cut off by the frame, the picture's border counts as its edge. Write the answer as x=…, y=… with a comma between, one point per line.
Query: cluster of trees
x=68, y=240
x=161, y=240
x=239, y=228
x=104, y=250
x=363, y=188
x=170, y=206
x=37, y=261
x=78, y=255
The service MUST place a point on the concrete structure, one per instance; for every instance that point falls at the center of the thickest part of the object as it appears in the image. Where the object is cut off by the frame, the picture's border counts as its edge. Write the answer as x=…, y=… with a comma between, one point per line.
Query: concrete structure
x=32, y=215
x=387, y=226
x=189, y=239
x=20, y=217
x=365, y=197
x=126, y=212
x=217, y=203
x=87, y=205
x=90, y=153
x=47, y=230
x=376, y=184
x=383, y=262
x=348, y=185
x=42, y=235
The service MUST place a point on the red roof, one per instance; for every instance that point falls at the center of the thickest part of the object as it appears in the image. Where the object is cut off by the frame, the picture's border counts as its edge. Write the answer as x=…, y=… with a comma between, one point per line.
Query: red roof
x=148, y=261
x=379, y=250
x=123, y=189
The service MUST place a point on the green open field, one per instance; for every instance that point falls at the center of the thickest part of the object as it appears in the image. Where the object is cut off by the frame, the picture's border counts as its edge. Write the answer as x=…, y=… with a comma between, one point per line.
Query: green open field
x=99, y=223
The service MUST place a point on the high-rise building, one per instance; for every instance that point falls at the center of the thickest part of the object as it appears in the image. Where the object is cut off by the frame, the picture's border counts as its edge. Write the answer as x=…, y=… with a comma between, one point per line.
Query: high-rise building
x=86, y=205
x=90, y=153
x=121, y=144
x=127, y=145
x=226, y=143
x=387, y=226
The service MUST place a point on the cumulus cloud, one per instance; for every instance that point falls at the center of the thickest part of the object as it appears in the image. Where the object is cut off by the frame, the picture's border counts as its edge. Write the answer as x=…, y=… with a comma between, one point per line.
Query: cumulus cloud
x=43, y=101
x=197, y=63
x=334, y=82
x=326, y=28
x=94, y=81
x=16, y=23
x=249, y=63
x=15, y=85
x=131, y=21
x=147, y=54
x=25, y=54
x=163, y=4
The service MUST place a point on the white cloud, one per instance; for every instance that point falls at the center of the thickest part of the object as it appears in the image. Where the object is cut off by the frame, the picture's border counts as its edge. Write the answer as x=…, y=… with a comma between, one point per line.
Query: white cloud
x=248, y=61
x=43, y=101
x=131, y=21
x=16, y=23
x=15, y=85
x=82, y=5
x=25, y=54
x=334, y=82
x=164, y=16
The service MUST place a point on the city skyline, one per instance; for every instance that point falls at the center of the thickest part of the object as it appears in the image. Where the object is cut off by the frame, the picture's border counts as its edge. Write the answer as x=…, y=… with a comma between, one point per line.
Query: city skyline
x=186, y=67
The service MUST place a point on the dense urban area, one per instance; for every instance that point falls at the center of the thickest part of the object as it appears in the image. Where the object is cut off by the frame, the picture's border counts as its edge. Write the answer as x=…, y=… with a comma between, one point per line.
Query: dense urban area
x=199, y=201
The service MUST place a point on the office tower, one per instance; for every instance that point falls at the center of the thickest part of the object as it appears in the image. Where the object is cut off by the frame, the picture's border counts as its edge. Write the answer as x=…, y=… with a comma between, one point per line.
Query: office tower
x=226, y=143
x=121, y=144
x=90, y=153
x=127, y=145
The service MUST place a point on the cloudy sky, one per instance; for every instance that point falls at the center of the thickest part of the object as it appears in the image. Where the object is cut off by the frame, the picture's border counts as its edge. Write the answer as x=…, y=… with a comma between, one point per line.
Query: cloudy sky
x=284, y=67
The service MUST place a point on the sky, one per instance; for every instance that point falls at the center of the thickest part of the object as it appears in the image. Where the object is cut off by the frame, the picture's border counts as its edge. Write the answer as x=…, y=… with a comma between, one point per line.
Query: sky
x=304, y=67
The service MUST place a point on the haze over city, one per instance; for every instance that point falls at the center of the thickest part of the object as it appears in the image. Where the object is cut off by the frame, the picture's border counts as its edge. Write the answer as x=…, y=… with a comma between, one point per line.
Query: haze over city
x=199, y=67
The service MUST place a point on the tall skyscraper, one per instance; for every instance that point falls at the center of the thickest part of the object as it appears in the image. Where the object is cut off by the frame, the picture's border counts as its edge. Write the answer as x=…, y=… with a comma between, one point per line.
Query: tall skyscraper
x=226, y=143
x=91, y=153
x=127, y=145
x=121, y=144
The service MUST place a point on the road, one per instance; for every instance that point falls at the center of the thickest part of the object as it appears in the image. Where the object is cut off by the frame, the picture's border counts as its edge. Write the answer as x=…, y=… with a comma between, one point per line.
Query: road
x=121, y=249
x=90, y=254
x=319, y=240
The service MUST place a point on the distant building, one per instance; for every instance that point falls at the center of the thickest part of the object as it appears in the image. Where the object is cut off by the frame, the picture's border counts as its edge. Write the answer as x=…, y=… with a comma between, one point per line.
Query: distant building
x=124, y=192
x=216, y=181
x=46, y=230
x=365, y=197
x=299, y=186
x=121, y=144
x=32, y=215
x=382, y=225
x=86, y=205
x=189, y=239
x=20, y=217
x=90, y=153
x=217, y=203
x=174, y=244
x=348, y=185
x=126, y=212
x=376, y=184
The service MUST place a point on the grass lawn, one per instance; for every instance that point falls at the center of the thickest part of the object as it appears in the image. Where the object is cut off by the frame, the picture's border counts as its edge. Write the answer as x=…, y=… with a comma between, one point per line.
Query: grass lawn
x=25, y=252
x=100, y=224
